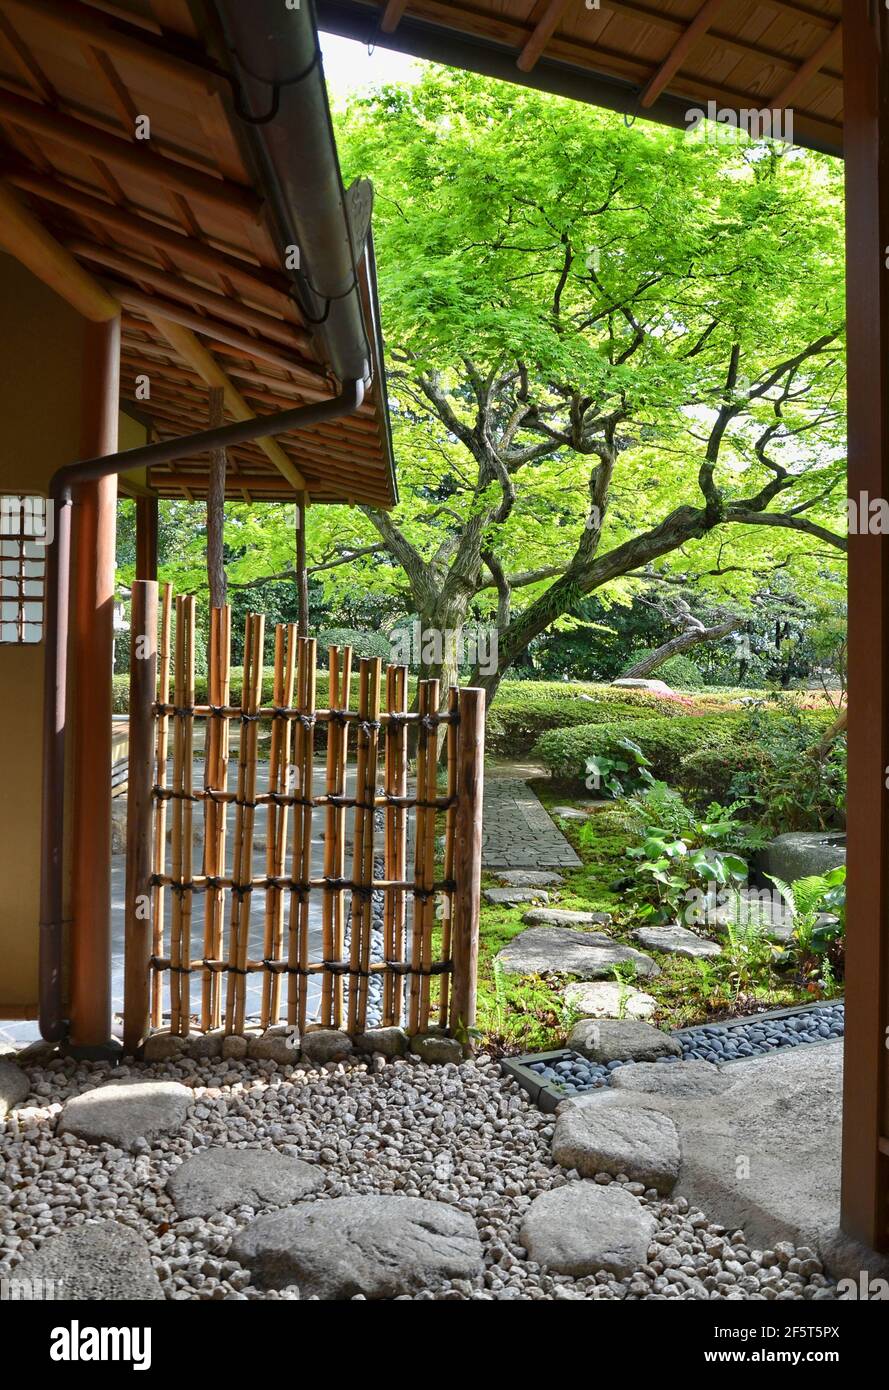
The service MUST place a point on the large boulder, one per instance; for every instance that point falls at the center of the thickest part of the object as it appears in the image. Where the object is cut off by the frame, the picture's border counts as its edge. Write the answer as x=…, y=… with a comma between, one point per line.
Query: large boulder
x=561, y=951
x=14, y=1086
x=582, y=1228
x=102, y=1261
x=654, y=687
x=642, y=1144
x=120, y=1112
x=376, y=1246
x=803, y=852
x=215, y=1180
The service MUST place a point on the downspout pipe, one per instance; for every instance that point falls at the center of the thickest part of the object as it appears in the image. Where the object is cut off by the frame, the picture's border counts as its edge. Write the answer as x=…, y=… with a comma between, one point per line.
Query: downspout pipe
x=53, y=1024
x=283, y=108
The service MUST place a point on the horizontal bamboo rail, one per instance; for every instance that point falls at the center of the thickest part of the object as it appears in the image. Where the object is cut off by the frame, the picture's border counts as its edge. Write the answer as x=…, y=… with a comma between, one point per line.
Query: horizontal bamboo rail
x=364, y=936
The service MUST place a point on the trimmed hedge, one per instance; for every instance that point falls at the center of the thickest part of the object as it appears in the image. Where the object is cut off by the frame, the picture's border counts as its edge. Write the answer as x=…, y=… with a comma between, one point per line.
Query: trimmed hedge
x=514, y=726
x=665, y=742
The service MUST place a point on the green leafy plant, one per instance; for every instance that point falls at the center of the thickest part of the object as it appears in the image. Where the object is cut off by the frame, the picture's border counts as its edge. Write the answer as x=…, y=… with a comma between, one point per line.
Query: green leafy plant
x=620, y=772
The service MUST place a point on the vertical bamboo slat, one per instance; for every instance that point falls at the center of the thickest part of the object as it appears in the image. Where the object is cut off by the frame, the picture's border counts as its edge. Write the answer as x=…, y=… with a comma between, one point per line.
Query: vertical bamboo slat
x=242, y=866
x=160, y=819
x=281, y=782
x=427, y=791
x=367, y=757
x=447, y=896
x=215, y=780
x=183, y=806
x=395, y=842
x=334, y=912
x=467, y=859
x=138, y=928
x=303, y=870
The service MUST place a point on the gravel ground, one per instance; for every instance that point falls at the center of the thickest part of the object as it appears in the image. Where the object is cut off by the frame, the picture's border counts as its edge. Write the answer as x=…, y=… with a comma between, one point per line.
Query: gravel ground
x=712, y=1043
x=464, y=1135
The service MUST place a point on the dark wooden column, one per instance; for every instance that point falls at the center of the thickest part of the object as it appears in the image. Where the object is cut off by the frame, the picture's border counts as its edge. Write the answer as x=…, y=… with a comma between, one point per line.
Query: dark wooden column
x=146, y=538
x=865, y=1200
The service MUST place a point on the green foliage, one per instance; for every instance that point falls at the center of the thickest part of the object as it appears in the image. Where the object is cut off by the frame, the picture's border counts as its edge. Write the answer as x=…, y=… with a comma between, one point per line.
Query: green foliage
x=681, y=673
x=663, y=741
x=362, y=643
x=624, y=771
x=520, y=716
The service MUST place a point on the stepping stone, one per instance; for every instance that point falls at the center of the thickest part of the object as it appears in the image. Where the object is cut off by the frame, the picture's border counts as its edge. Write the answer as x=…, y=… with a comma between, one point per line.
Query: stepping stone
x=530, y=878
x=621, y=1040
x=14, y=1086
x=437, y=1048
x=560, y=951
x=514, y=897
x=643, y=1144
x=120, y=1112
x=569, y=813
x=565, y=917
x=677, y=941
x=102, y=1261
x=391, y=1042
x=679, y=1079
x=608, y=999
x=582, y=1227
x=216, y=1180
x=376, y=1246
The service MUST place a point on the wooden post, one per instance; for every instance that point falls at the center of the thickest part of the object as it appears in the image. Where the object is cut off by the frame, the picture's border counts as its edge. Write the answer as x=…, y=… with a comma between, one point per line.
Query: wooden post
x=138, y=925
x=302, y=577
x=865, y=1183
x=216, y=507
x=93, y=635
x=146, y=537
x=467, y=858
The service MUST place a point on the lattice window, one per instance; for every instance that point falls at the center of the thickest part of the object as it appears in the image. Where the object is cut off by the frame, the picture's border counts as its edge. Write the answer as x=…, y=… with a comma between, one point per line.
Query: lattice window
x=25, y=532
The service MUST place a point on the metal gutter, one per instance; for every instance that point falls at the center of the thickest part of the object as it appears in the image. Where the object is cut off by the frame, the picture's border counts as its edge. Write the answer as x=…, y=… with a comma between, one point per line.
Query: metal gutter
x=53, y=1024
x=281, y=99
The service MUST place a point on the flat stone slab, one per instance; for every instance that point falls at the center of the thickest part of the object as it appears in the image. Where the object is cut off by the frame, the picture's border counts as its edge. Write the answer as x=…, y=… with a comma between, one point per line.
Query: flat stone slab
x=120, y=1112
x=582, y=1227
x=565, y=917
x=377, y=1246
x=676, y=940
x=215, y=1180
x=621, y=1040
x=561, y=951
x=608, y=999
x=514, y=897
x=643, y=1144
x=678, y=1079
x=102, y=1261
x=530, y=878
x=764, y=1155
x=569, y=813
x=14, y=1087
x=770, y=917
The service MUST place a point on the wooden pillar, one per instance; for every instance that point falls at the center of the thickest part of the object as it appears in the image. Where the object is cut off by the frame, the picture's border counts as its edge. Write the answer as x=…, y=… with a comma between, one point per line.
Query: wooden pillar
x=146, y=537
x=143, y=683
x=865, y=1185
x=216, y=580
x=467, y=857
x=302, y=576
x=95, y=506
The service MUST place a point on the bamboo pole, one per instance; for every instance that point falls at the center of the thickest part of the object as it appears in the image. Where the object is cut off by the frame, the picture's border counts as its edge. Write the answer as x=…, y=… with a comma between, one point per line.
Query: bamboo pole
x=215, y=781
x=280, y=782
x=427, y=790
x=447, y=895
x=302, y=861
x=334, y=920
x=367, y=751
x=143, y=681
x=251, y=697
x=160, y=819
x=467, y=859
x=395, y=841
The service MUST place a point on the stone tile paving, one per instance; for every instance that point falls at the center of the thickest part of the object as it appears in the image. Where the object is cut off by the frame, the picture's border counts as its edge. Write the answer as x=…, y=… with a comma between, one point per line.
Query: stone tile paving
x=517, y=831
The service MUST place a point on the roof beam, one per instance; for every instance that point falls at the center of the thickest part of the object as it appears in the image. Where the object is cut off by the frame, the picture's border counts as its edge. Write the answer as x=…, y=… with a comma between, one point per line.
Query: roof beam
x=543, y=32
x=392, y=15
x=126, y=154
x=191, y=351
x=680, y=50
x=809, y=68
x=25, y=238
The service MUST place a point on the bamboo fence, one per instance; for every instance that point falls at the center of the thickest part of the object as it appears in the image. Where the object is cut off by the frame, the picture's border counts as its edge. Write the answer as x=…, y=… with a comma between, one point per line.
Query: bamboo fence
x=394, y=901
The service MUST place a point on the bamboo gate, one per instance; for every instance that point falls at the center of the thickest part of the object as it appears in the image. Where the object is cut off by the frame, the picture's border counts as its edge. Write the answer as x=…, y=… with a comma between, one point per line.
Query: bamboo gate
x=208, y=908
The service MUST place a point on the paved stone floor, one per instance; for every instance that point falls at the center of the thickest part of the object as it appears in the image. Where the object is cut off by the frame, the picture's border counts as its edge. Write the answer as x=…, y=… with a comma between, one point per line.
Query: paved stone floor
x=518, y=833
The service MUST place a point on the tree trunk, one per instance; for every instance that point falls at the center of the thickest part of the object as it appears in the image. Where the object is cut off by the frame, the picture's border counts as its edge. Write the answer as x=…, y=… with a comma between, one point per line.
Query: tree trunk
x=820, y=749
x=216, y=509
x=694, y=637
x=302, y=576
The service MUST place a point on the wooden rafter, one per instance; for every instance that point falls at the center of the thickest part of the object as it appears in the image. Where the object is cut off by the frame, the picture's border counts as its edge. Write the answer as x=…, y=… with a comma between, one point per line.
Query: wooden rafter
x=680, y=50
x=543, y=32
x=392, y=15
x=814, y=64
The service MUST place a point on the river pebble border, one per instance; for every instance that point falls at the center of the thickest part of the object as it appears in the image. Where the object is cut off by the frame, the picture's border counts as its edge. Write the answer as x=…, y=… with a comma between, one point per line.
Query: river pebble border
x=550, y=1077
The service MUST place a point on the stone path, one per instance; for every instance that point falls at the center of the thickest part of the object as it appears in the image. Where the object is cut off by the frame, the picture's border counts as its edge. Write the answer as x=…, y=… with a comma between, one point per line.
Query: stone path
x=518, y=832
